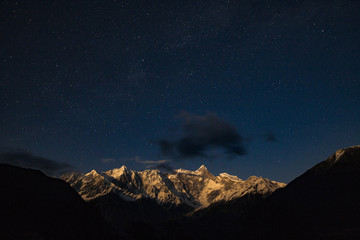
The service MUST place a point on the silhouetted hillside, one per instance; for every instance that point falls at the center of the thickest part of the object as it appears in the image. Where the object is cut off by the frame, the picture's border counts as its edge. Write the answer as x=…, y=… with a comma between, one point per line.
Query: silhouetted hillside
x=34, y=206
x=323, y=203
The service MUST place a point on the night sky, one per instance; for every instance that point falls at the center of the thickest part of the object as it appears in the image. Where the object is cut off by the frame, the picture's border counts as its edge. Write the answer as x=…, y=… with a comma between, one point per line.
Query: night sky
x=256, y=87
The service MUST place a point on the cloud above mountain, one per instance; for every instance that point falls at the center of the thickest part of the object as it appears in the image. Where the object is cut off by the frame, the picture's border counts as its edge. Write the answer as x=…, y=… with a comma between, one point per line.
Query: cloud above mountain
x=151, y=161
x=27, y=160
x=107, y=160
x=203, y=133
x=156, y=164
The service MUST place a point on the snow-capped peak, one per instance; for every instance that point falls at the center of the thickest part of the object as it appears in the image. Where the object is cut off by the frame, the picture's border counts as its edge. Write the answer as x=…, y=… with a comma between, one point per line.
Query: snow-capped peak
x=117, y=172
x=202, y=169
x=180, y=170
x=193, y=188
x=231, y=177
x=92, y=172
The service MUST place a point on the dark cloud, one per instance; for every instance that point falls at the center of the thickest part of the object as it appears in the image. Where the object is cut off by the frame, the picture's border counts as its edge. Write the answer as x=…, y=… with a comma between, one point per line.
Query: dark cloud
x=27, y=160
x=203, y=133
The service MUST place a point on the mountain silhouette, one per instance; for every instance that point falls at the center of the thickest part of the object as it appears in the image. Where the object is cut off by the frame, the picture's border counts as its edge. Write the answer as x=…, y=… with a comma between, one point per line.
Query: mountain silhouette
x=322, y=203
x=35, y=206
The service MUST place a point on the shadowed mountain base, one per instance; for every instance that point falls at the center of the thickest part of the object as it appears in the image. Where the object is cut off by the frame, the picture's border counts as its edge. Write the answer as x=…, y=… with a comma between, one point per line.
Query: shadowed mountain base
x=323, y=203
x=34, y=206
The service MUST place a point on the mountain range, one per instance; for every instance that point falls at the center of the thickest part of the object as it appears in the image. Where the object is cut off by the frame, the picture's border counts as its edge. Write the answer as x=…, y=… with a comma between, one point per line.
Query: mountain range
x=322, y=203
x=192, y=189
x=124, y=196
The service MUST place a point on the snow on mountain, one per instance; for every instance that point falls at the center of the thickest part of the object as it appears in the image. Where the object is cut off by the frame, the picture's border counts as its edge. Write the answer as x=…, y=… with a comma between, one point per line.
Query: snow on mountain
x=196, y=189
x=230, y=177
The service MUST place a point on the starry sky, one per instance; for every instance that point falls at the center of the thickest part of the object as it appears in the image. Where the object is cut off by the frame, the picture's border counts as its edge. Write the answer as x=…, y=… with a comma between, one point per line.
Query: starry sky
x=263, y=87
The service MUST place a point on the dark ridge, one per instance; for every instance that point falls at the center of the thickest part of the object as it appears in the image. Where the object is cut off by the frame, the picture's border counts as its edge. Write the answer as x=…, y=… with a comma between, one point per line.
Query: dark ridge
x=136, y=219
x=323, y=203
x=35, y=206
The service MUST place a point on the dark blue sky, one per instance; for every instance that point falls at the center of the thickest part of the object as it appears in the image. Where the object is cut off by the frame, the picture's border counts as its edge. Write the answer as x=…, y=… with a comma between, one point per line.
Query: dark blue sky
x=82, y=81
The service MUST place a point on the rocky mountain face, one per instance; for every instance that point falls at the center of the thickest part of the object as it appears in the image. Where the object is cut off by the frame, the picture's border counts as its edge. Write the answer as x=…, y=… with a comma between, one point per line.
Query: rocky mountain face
x=179, y=188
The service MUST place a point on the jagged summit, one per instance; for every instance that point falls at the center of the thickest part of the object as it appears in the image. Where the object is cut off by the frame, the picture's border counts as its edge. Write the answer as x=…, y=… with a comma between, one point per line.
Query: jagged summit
x=92, y=172
x=117, y=172
x=202, y=168
x=195, y=189
x=181, y=170
x=123, y=167
x=231, y=177
x=204, y=172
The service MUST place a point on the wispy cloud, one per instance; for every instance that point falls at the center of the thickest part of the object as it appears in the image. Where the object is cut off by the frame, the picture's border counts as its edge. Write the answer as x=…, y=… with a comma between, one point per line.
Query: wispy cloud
x=27, y=160
x=108, y=160
x=152, y=161
x=163, y=164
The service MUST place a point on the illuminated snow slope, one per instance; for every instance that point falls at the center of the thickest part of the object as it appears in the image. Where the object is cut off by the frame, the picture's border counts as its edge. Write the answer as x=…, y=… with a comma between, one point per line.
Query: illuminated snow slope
x=196, y=189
